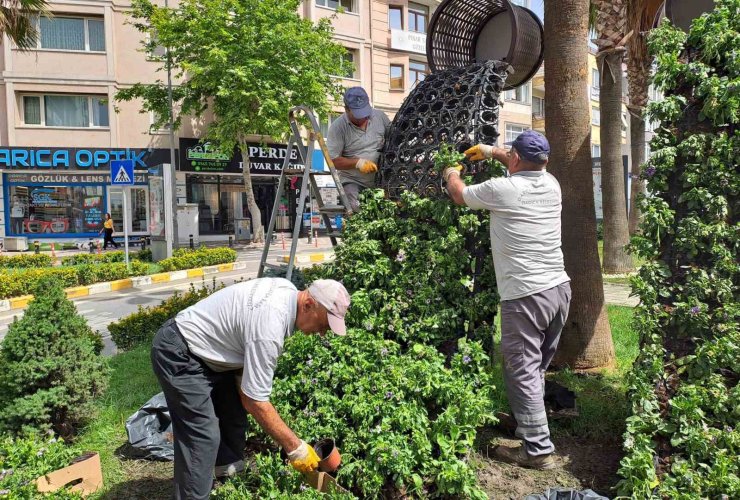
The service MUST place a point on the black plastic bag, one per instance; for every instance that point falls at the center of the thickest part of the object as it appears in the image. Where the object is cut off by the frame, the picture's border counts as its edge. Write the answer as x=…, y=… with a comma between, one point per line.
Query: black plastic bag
x=566, y=494
x=150, y=431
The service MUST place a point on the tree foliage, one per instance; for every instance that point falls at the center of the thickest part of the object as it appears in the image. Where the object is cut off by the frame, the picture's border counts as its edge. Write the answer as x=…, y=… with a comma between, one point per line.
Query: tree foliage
x=51, y=368
x=683, y=439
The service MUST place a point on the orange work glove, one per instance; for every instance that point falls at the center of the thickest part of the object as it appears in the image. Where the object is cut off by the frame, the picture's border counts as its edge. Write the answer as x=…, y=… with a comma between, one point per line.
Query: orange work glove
x=366, y=166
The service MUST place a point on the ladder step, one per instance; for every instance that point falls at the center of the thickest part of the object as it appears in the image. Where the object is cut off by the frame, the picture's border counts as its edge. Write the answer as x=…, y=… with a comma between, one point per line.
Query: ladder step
x=333, y=209
x=300, y=171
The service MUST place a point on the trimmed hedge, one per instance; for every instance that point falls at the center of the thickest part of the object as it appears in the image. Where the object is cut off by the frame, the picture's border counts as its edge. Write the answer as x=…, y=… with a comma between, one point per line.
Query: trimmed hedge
x=106, y=258
x=25, y=260
x=139, y=328
x=184, y=258
x=22, y=282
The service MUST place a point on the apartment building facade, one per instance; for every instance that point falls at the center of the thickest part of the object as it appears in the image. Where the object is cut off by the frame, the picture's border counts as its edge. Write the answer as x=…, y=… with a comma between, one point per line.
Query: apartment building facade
x=62, y=126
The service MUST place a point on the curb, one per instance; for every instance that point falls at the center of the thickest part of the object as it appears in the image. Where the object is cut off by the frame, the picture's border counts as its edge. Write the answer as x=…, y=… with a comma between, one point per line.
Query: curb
x=308, y=258
x=133, y=282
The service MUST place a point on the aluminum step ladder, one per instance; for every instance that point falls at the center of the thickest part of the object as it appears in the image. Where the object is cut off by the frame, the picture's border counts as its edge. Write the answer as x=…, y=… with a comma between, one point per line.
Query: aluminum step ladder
x=308, y=184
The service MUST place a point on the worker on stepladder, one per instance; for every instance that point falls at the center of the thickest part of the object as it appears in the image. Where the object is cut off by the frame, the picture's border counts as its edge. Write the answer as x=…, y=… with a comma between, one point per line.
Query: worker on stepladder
x=215, y=361
x=534, y=287
x=355, y=142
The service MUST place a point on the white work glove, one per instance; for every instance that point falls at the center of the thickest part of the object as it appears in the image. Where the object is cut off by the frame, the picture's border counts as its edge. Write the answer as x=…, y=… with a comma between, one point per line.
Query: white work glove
x=480, y=152
x=456, y=170
x=366, y=166
x=304, y=458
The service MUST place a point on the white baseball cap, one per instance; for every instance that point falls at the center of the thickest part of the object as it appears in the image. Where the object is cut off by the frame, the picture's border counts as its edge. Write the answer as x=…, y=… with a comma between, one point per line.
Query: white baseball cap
x=335, y=298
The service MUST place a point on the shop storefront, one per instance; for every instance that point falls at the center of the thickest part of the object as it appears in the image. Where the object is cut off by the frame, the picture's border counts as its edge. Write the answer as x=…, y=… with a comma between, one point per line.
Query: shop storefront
x=65, y=192
x=214, y=182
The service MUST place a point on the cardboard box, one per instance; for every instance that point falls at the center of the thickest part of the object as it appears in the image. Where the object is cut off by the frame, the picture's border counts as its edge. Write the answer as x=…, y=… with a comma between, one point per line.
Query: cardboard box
x=323, y=482
x=84, y=473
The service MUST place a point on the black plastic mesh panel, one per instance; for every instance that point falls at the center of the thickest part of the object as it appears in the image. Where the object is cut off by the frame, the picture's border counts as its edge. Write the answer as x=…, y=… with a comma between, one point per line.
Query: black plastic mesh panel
x=458, y=106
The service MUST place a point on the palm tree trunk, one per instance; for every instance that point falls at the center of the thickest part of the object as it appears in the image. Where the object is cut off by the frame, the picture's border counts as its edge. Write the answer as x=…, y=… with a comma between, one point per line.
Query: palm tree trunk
x=586, y=341
x=616, y=228
x=255, y=214
x=637, y=153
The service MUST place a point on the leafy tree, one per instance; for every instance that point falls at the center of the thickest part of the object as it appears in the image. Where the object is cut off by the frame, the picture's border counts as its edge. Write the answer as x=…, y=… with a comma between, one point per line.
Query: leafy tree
x=683, y=438
x=17, y=21
x=243, y=62
x=51, y=368
x=586, y=341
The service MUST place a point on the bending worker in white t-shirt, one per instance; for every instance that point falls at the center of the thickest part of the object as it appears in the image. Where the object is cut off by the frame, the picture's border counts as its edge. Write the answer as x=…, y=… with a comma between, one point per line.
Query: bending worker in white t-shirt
x=534, y=288
x=217, y=358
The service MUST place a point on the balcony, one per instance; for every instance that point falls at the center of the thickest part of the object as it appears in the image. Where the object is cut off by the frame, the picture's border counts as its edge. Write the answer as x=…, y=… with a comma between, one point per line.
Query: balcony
x=409, y=41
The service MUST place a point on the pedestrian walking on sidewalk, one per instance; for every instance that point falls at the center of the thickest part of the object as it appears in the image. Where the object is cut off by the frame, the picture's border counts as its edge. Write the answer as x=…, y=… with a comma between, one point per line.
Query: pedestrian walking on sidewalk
x=535, y=291
x=355, y=142
x=215, y=362
x=108, y=230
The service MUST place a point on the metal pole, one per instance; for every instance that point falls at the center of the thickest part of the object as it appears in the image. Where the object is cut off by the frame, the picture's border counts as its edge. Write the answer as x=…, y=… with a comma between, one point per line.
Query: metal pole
x=173, y=243
x=125, y=224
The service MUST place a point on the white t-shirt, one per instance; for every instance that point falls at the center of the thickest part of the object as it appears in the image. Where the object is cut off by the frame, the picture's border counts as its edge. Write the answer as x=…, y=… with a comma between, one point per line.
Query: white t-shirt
x=243, y=326
x=525, y=231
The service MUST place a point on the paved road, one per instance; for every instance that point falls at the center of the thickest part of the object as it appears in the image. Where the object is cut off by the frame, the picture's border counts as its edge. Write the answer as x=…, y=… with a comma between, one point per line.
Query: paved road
x=101, y=310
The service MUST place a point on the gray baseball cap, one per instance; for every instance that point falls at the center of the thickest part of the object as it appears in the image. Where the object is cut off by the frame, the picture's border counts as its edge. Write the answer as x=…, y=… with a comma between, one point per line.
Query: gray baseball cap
x=356, y=99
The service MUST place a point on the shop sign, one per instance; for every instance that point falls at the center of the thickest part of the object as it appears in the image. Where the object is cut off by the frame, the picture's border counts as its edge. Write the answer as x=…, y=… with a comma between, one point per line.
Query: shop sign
x=78, y=158
x=69, y=178
x=264, y=159
x=409, y=41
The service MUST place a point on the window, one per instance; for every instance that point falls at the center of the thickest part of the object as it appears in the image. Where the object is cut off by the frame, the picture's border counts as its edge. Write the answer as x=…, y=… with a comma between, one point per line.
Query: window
x=595, y=116
x=395, y=17
x=595, y=79
x=65, y=110
x=625, y=123
x=520, y=94
x=57, y=209
x=418, y=15
x=417, y=72
x=346, y=5
x=349, y=67
x=71, y=33
x=538, y=107
x=396, y=77
x=325, y=123
x=513, y=131
x=158, y=123
x=595, y=150
x=154, y=51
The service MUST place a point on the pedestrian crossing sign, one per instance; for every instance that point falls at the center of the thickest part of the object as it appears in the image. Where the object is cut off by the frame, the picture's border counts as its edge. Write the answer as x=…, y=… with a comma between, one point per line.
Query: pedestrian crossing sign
x=121, y=172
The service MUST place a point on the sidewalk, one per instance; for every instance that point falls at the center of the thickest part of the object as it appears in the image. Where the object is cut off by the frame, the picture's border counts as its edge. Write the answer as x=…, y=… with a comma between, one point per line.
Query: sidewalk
x=619, y=295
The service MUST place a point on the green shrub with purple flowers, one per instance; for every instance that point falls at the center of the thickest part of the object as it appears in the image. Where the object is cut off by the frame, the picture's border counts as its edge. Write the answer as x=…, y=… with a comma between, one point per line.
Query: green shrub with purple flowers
x=683, y=439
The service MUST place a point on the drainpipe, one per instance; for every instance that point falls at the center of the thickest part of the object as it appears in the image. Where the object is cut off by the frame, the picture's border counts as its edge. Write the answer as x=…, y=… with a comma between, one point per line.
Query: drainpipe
x=372, y=50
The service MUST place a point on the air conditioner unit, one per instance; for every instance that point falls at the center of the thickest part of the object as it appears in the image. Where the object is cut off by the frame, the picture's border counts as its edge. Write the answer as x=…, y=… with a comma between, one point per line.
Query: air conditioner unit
x=15, y=243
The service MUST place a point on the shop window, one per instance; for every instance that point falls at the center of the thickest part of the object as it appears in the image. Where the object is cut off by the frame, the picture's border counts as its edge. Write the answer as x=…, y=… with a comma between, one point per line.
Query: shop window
x=418, y=16
x=519, y=94
x=417, y=72
x=55, y=210
x=346, y=5
x=65, y=110
x=71, y=33
x=513, y=130
x=395, y=17
x=396, y=75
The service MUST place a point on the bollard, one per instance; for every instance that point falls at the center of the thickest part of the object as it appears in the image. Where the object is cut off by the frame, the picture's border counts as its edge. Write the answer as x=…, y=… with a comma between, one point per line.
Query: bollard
x=282, y=238
x=53, y=255
x=91, y=244
x=316, y=238
x=37, y=247
x=231, y=241
x=191, y=242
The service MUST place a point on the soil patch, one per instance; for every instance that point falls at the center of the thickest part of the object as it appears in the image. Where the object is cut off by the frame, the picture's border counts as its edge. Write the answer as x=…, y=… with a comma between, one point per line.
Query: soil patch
x=582, y=464
x=146, y=480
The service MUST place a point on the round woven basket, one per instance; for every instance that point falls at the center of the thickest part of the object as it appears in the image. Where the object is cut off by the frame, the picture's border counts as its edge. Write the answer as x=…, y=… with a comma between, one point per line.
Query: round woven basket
x=462, y=32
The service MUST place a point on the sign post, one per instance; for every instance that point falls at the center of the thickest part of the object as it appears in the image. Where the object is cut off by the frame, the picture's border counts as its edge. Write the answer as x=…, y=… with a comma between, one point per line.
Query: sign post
x=122, y=174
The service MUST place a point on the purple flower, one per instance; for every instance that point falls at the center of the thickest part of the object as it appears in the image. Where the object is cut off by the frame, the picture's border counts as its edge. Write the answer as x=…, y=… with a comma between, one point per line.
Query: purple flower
x=309, y=362
x=395, y=453
x=314, y=381
x=466, y=359
x=650, y=171
x=695, y=310
x=303, y=487
x=401, y=256
x=384, y=352
x=388, y=395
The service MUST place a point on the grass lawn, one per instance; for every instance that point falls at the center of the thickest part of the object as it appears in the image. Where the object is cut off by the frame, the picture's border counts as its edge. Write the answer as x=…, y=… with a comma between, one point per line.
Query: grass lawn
x=601, y=400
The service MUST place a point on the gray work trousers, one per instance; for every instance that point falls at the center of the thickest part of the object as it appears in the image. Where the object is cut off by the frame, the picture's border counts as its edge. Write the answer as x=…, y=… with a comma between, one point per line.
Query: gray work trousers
x=353, y=191
x=209, y=422
x=530, y=331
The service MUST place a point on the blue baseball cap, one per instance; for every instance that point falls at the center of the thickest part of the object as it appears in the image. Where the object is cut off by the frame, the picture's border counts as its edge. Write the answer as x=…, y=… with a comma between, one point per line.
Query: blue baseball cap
x=531, y=146
x=356, y=99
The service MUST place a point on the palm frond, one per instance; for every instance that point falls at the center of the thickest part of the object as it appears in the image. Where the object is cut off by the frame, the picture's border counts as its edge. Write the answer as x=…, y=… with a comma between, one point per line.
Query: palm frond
x=18, y=21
